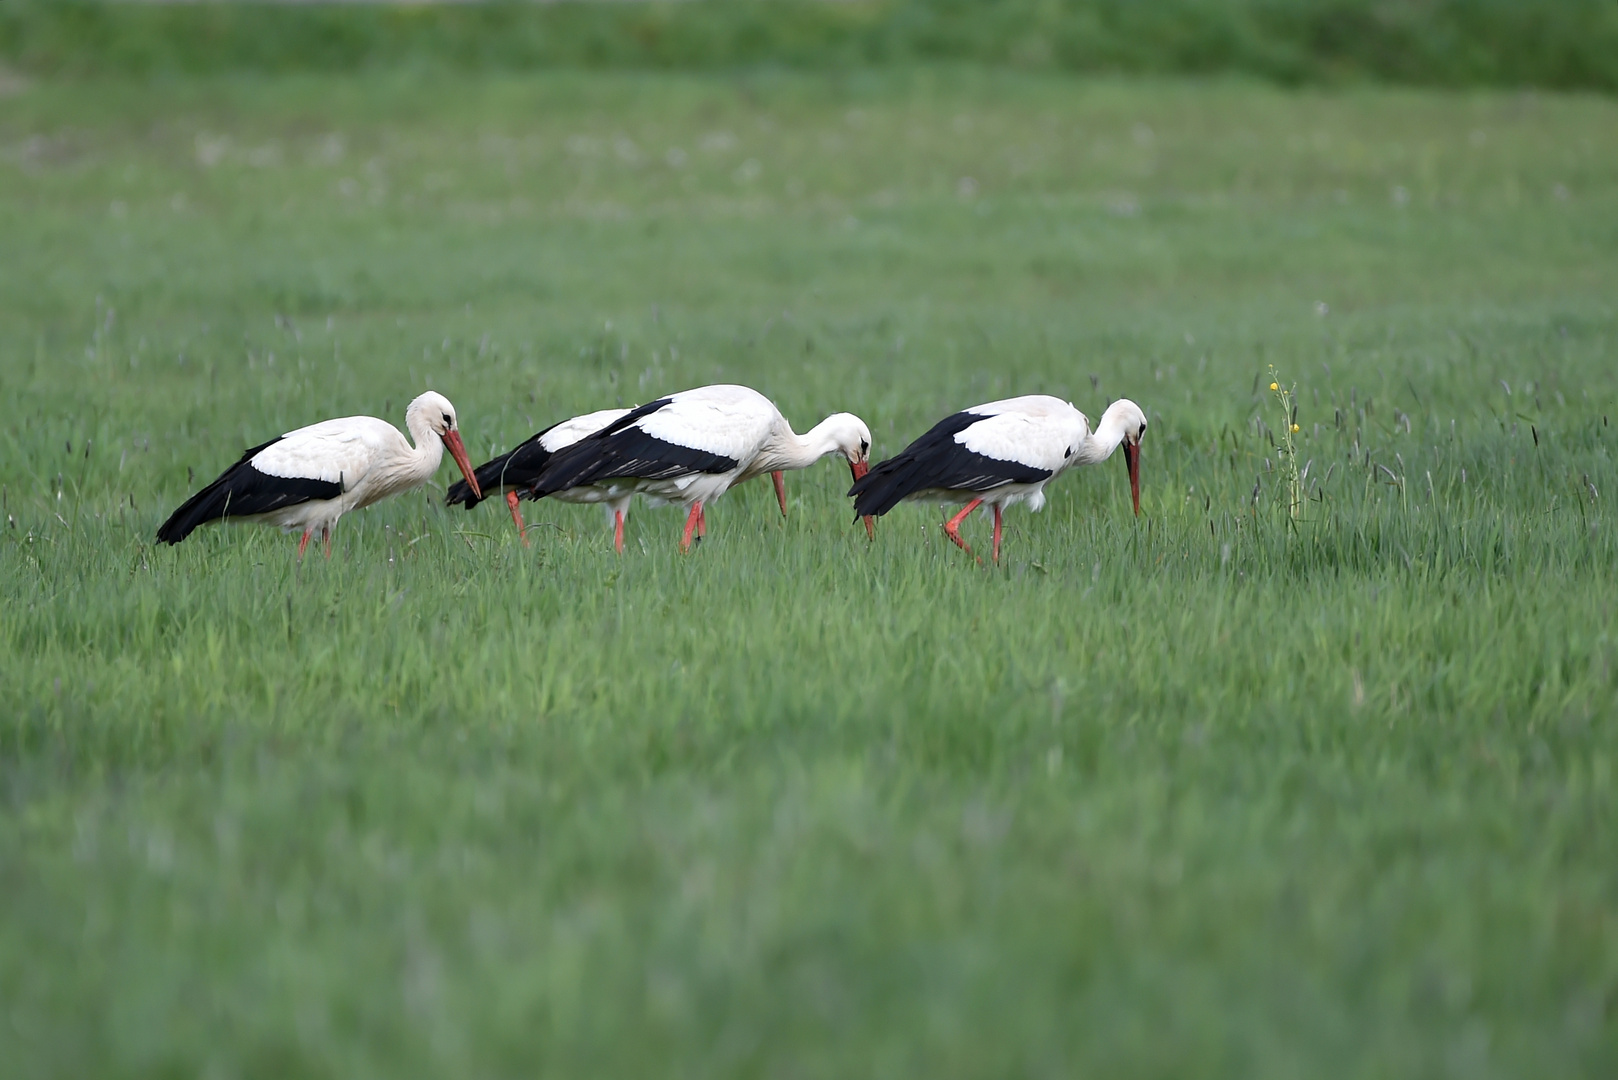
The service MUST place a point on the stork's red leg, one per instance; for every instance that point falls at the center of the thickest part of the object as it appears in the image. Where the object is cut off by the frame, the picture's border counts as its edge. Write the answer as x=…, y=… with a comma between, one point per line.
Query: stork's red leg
x=952, y=527
x=325, y=539
x=780, y=490
x=702, y=522
x=516, y=516
x=304, y=543
x=690, y=527
x=618, y=531
x=996, y=532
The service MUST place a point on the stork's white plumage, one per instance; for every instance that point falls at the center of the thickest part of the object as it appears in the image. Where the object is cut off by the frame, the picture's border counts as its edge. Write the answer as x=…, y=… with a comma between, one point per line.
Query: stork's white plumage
x=517, y=469
x=308, y=478
x=690, y=448
x=1001, y=453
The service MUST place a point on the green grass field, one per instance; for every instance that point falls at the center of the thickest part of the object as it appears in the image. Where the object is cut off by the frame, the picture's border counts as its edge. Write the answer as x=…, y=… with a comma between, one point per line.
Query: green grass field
x=1210, y=793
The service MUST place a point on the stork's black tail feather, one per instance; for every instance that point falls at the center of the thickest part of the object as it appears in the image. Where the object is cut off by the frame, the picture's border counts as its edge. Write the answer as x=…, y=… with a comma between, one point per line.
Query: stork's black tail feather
x=915, y=468
x=936, y=462
x=241, y=491
x=491, y=478
x=517, y=468
x=622, y=450
x=884, y=487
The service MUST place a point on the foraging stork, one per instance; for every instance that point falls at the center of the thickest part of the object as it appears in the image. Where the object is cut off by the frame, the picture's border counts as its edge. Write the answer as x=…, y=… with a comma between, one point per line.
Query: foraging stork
x=1001, y=453
x=692, y=447
x=517, y=469
x=308, y=478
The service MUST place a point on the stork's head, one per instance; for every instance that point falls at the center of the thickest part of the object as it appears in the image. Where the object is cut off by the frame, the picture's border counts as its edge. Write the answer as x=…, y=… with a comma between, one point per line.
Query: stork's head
x=849, y=436
x=1129, y=417
x=433, y=412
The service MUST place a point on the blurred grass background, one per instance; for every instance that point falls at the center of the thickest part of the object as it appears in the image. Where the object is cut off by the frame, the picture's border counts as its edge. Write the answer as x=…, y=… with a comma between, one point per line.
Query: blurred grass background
x=1564, y=44
x=1207, y=793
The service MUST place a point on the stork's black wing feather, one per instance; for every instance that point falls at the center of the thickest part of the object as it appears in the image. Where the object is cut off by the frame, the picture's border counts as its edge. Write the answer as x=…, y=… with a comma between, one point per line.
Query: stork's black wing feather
x=935, y=461
x=621, y=450
x=516, y=468
x=242, y=491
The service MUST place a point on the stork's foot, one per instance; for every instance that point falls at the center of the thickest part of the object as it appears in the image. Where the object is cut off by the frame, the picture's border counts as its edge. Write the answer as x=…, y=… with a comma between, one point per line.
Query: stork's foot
x=953, y=533
x=952, y=527
x=692, y=522
x=516, y=517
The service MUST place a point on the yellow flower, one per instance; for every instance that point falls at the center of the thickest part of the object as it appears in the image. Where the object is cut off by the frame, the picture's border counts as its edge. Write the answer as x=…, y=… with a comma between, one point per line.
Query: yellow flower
x=1275, y=386
x=1294, y=427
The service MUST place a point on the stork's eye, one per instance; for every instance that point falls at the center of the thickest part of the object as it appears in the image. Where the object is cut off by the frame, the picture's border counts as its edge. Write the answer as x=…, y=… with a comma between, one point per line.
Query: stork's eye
x=864, y=446
x=449, y=421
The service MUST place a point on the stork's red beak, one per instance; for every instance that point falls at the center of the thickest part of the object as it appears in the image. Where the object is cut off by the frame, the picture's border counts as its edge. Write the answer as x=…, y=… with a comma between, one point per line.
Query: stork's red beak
x=859, y=469
x=457, y=450
x=1132, y=462
x=780, y=490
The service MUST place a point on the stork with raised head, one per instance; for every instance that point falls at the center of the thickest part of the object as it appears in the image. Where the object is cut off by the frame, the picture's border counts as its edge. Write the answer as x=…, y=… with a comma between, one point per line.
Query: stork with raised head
x=1001, y=453
x=308, y=478
x=690, y=448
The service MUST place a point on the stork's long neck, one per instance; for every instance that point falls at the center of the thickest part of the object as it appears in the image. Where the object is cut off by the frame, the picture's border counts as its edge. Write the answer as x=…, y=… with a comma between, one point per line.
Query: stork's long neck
x=423, y=459
x=1107, y=436
x=788, y=450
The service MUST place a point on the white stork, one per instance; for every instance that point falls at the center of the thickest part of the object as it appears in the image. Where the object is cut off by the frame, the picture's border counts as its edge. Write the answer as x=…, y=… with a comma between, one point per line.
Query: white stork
x=518, y=467
x=1001, y=453
x=690, y=448
x=308, y=478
